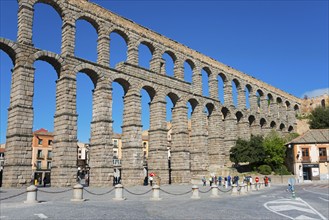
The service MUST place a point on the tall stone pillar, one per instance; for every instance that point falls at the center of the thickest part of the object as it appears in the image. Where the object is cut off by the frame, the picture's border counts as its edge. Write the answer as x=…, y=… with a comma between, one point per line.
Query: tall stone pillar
x=213, y=86
x=68, y=38
x=243, y=128
x=197, y=81
x=179, y=69
x=228, y=98
x=101, y=147
x=253, y=103
x=18, y=168
x=158, y=153
x=132, y=150
x=180, y=155
x=241, y=98
x=264, y=105
x=155, y=63
x=64, y=163
x=103, y=48
x=230, y=124
x=215, y=141
x=132, y=53
x=198, y=145
x=25, y=21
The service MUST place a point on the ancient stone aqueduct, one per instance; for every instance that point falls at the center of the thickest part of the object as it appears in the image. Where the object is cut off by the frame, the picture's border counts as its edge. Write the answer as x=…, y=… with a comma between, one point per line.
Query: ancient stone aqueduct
x=211, y=136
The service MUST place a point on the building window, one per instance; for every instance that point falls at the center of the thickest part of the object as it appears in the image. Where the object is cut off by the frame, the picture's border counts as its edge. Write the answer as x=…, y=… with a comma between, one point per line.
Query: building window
x=305, y=155
x=48, y=165
x=38, y=165
x=50, y=142
x=323, y=154
x=115, y=143
x=305, y=152
x=39, y=141
x=50, y=154
x=39, y=154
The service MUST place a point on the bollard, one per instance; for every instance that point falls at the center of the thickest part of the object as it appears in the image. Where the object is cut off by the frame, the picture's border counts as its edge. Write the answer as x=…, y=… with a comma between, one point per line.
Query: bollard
x=243, y=189
x=214, y=192
x=234, y=190
x=156, y=192
x=31, y=196
x=119, y=192
x=77, y=193
x=195, y=192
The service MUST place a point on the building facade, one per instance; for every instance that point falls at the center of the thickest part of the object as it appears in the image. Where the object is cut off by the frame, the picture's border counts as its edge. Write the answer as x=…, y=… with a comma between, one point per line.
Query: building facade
x=308, y=155
x=42, y=155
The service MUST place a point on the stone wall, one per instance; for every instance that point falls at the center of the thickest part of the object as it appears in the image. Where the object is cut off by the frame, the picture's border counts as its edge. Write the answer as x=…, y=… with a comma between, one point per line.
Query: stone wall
x=213, y=132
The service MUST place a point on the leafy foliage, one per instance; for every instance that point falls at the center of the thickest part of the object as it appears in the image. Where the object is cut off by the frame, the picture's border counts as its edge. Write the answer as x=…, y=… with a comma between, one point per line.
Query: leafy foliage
x=274, y=149
x=265, y=169
x=248, y=151
x=269, y=151
x=319, y=118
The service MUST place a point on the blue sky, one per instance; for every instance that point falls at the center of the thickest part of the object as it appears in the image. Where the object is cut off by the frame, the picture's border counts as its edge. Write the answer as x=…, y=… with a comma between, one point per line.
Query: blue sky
x=283, y=43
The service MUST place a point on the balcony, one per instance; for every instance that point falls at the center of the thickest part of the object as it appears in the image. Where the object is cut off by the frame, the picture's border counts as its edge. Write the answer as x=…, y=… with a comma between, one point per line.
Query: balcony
x=306, y=159
x=323, y=158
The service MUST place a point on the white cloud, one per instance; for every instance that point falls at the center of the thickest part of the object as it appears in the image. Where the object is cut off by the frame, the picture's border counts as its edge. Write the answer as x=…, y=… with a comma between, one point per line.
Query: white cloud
x=316, y=92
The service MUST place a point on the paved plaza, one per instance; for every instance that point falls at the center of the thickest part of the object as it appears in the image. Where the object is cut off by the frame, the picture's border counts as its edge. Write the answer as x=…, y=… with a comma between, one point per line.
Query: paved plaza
x=311, y=202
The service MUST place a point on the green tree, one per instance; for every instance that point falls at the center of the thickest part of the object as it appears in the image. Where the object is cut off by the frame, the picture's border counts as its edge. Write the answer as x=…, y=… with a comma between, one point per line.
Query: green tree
x=275, y=150
x=319, y=118
x=248, y=151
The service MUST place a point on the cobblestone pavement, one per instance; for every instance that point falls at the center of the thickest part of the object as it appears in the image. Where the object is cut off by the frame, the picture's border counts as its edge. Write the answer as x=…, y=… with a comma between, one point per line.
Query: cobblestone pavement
x=175, y=203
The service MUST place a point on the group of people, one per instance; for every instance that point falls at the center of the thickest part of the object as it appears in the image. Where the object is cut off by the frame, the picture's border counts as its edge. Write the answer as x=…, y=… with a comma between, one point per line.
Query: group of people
x=220, y=181
x=228, y=180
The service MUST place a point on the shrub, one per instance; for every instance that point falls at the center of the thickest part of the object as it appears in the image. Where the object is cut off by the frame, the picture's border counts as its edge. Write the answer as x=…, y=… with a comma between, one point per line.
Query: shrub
x=282, y=171
x=265, y=169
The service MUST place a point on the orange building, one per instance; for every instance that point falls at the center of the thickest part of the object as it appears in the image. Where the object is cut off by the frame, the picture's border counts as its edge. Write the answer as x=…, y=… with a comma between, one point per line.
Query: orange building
x=41, y=155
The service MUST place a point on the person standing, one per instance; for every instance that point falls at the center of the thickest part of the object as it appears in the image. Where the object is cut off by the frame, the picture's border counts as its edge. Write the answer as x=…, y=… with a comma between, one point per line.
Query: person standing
x=151, y=180
x=229, y=180
x=204, y=181
x=219, y=181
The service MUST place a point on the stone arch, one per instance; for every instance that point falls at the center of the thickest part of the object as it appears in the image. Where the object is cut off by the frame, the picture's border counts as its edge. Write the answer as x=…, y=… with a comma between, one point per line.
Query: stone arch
x=237, y=83
x=239, y=116
x=287, y=104
x=55, y=4
x=273, y=125
x=148, y=44
x=190, y=62
x=124, y=83
x=290, y=128
x=89, y=18
x=249, y=88
x=262, y=122
x=173, y=97
x=122, y=34
x=54, y=59
x=282, y=127
x=194, y=103
x=210, y=107
x=251, y=120
x=150, y=90
x=223, y=76
x=90, y=70
x=225, y=113
x=9, y=48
